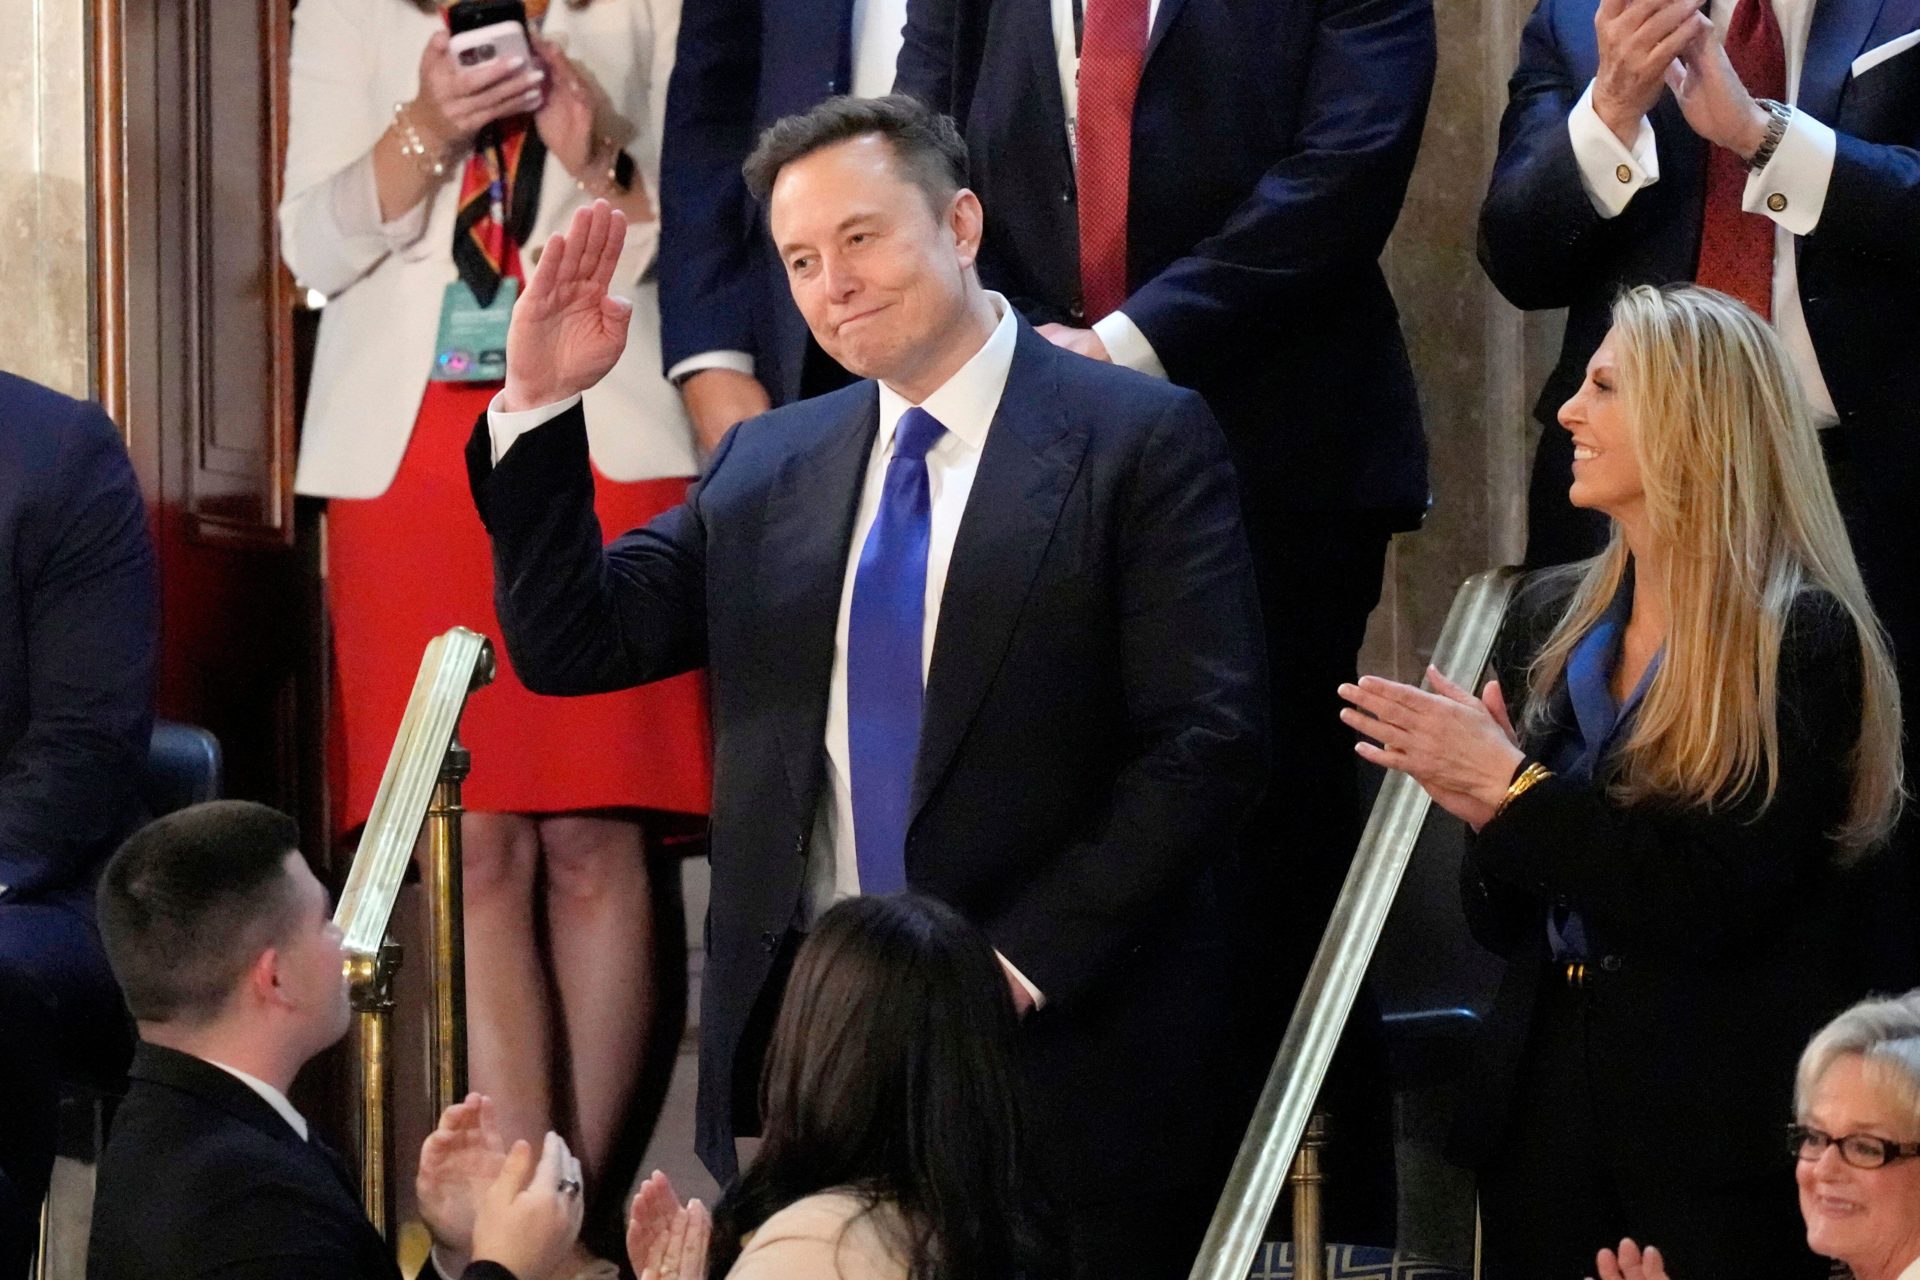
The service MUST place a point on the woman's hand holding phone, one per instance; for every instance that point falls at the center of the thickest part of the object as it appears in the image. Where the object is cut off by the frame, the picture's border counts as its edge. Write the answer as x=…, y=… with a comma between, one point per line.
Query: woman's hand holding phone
x=456, y=102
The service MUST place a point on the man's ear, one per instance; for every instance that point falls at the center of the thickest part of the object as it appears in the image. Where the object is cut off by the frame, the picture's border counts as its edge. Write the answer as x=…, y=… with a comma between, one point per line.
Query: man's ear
x=262, y=981
x=968, y=222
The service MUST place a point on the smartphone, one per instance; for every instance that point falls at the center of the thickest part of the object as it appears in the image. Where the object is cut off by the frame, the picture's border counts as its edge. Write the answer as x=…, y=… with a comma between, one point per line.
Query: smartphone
x=487, y=30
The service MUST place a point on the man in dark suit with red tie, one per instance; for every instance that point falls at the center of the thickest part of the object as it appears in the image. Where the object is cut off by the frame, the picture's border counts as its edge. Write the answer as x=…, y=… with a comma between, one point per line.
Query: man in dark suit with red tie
x=1201, y=190
x=1770, y=149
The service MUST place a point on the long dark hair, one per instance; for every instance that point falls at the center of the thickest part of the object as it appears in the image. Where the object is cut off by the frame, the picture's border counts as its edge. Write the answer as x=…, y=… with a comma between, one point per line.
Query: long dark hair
x=891, y=1076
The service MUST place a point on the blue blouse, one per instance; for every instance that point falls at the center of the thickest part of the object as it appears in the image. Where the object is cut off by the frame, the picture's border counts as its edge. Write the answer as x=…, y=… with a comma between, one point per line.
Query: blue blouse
x=1576, y=750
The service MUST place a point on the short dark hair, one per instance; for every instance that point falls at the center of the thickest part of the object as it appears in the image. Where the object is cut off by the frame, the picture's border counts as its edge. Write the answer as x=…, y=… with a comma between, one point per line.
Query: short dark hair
x=931, y=153
x=190, y=900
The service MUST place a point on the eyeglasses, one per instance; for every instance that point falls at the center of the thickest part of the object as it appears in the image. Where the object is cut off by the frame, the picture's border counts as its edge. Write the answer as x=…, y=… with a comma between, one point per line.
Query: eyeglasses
x=1861, y=1150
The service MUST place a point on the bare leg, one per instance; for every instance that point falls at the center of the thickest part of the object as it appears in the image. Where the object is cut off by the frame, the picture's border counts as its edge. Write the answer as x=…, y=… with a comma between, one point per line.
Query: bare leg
x=509, y=1050
x=600, y=926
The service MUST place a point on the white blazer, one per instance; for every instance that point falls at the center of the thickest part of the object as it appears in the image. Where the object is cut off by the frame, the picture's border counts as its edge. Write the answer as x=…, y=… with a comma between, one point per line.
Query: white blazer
x=351, y=61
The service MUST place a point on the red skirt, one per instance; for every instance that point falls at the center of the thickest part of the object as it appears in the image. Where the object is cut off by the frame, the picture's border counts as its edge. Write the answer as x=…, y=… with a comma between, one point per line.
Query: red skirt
x=404, y=567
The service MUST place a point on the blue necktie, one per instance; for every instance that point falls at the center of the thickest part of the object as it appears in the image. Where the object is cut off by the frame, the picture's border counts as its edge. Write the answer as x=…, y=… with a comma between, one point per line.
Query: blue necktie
x=885, y=630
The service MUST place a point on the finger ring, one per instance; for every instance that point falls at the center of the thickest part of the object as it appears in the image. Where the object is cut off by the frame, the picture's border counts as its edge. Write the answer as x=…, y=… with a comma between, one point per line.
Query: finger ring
x=569, y=1186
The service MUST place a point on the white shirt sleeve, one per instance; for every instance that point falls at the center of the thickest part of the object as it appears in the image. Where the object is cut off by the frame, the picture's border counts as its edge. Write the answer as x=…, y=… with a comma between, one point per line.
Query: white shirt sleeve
x=738, y=361
x=1792, y=187
x=1610, y=172
x=1033, y=992
x=1127, y=345
x=504, y=428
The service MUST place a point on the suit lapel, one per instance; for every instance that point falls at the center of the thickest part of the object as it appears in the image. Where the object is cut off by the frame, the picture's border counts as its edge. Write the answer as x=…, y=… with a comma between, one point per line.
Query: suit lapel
x=1031, y=457
x=1837, y=36
x=1161, y=21
x=803, y=565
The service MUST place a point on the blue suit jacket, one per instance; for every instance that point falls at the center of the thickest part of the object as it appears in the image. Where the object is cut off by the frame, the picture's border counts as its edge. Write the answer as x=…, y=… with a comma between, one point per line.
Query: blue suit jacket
x=1272, y=143
x=79, y=640
x=739, y=66
x=1859, y=270
x=1095, y=723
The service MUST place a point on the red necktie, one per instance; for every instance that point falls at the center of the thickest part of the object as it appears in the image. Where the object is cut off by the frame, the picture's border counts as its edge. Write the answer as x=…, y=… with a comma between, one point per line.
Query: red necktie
x=1112, y=47
x=1736, y=247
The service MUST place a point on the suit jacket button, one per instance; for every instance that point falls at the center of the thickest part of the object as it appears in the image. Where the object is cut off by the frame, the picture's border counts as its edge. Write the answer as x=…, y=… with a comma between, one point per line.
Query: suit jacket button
x=1078, y=311
x=1611, y=964
x=770, y=940
x=1623, y=173
x=1777, y=202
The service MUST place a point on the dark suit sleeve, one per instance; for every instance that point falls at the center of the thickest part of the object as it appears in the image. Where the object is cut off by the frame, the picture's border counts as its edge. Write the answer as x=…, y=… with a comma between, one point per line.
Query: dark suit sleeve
x=1328, y=205
x=1195, y=679
x=928, y=50
x=1691, y=877
x=1536, y=223
x=1873, y=201
x=579, y=618
x=707, y=254
x=90, y=607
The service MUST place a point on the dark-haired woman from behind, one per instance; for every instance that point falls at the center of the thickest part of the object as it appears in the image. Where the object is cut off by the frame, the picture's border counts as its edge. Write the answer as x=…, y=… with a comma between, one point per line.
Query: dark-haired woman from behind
x=892, y=1145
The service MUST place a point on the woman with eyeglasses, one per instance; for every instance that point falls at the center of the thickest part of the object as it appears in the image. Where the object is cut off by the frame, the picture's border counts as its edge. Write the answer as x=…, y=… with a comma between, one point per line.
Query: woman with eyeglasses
x=1858, y=1144
x=1704, y=728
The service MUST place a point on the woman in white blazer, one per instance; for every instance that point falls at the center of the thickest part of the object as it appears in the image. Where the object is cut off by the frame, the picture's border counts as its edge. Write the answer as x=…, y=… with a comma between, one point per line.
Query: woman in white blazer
x=390, y=139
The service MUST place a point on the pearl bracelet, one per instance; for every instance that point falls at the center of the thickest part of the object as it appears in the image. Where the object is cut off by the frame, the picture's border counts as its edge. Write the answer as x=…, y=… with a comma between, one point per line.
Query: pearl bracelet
x=431, y=162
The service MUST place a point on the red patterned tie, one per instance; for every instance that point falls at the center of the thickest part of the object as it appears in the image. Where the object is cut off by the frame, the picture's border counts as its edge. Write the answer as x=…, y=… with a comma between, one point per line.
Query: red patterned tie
x=1736, y=247
x=1112, y=48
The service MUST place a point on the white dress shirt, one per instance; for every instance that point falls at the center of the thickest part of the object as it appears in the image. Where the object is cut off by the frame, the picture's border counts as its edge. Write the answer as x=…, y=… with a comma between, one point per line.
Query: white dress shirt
x=1795, y=179
x=876, y=50
x=272, y=1096
x=964, y=404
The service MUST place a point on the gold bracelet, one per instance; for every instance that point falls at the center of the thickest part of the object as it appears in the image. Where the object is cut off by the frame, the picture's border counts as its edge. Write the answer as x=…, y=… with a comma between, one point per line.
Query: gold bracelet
x=606, y=180
x=1533, y=775
x=429, y=161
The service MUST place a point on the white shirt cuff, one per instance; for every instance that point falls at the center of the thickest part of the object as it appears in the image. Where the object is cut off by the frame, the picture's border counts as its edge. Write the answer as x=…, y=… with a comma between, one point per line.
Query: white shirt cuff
x=1792, y=187
x=504, y=428
x=1126, y=345
x=1033, y=992
x=1610, y=173
x=738, y=361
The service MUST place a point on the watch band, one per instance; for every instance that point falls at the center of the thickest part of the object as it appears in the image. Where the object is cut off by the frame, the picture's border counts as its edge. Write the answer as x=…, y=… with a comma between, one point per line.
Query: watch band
x=1780, y=113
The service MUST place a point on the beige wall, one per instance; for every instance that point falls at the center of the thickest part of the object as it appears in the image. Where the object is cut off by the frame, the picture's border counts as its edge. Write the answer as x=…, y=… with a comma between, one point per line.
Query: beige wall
x=1478, y=361
x=44, y=211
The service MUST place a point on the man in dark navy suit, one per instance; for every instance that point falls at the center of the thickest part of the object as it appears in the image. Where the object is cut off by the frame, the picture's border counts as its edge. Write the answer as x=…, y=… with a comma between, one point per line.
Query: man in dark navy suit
x=1771, y=149
x=79, y=634
x=984, y=626
x=1201, y=190
x=732, y=339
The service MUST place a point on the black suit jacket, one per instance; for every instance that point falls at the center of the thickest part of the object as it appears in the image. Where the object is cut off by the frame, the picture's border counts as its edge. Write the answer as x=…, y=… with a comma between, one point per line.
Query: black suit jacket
x=1095, y=717
x=739, y=65
x=202, y=1178
x=1714, y=943
x=1859, y=271
x=1272, y=144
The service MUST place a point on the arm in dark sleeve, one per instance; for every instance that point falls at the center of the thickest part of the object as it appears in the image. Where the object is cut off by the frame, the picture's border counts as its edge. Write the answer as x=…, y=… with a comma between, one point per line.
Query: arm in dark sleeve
x=1196, y=690
x=927, y=51
x=1873, y=201
x=90, y=606
x=1689, y=876
x=707, y=255
x=1537, y=224
x=579, y=617
x=1328, y=205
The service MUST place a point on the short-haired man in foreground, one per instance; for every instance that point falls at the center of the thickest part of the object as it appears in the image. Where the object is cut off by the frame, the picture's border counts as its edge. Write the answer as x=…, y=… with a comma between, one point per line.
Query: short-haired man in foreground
x=221, y=938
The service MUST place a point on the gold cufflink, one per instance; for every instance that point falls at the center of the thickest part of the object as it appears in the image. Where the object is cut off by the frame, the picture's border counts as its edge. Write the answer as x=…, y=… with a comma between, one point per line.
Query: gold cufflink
x=1777, y=202
x=1623, y=173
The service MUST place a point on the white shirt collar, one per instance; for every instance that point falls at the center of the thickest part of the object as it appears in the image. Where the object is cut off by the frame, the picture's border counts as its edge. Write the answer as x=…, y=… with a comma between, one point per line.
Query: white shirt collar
x=274, y=1098
x=1912, y=1272
x=965, y=403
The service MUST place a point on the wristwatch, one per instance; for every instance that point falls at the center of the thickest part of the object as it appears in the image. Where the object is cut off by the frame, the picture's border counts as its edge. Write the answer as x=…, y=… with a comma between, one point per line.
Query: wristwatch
x=1779, y=113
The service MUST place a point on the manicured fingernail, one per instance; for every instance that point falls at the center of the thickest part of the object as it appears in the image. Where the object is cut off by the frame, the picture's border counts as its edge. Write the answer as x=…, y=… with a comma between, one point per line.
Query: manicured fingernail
x=516, y=63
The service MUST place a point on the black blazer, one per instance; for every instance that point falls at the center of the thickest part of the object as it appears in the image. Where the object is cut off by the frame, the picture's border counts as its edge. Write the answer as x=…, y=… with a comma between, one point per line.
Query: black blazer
x=202, y=1178
x=1272, y=144
x=1095, y=725
x=739, y=65
x=1859, y=272
x=79, y=642
x=1714, y=947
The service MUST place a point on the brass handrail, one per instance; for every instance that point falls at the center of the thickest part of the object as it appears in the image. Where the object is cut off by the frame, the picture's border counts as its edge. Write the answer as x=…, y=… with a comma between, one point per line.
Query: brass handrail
x=1346, y=947
x=427, y=764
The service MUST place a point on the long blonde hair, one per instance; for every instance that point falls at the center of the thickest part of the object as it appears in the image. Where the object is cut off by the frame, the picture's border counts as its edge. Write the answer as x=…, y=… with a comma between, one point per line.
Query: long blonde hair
x=1739, y=505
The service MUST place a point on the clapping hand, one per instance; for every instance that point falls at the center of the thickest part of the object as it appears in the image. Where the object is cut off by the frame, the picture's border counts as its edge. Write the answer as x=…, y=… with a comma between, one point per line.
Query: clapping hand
x=1712, y=98
x=567, y=330
x=1462, y=750
x=1638, y=41
x=667, y=1240
x=458, y=1162
x=529, y=1216
x=1631, y=1263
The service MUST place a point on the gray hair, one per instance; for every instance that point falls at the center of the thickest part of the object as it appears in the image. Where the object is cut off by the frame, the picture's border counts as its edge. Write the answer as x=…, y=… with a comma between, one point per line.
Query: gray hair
x=927, y=145
x=1884, y=1033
